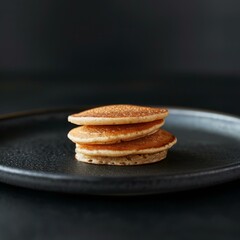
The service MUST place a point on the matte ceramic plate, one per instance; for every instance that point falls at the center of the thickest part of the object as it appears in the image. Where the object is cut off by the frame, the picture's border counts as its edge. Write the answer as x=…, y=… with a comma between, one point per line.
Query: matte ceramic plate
x=36, y=153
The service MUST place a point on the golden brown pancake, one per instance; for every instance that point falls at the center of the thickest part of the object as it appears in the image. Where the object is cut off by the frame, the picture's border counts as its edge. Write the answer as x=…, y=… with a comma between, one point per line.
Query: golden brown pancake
x=126, y=160
x=157, y=142
x=105, y=134
x=118, y=114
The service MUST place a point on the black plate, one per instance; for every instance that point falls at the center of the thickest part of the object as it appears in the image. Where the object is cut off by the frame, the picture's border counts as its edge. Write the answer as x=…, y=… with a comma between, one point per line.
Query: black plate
x=35, y=153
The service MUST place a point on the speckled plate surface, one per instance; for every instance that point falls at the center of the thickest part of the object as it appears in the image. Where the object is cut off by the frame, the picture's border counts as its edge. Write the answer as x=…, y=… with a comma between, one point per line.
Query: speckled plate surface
x=36, y=153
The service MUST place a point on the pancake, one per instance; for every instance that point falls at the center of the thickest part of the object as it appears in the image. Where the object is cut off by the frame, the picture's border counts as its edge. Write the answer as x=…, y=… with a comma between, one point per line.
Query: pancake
x=127, y=160
x=106, y=134
x=157, y=142
x=118, y=114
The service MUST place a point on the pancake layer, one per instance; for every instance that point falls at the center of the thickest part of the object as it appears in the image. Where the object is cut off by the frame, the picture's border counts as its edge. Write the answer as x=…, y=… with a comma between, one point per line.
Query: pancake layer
x=157, y=142
x=118, y=114
x=107, y=134
x=126, y=160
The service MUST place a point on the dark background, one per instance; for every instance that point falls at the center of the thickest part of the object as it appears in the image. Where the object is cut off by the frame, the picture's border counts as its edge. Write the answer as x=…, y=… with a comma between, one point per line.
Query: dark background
x=58, y=53
x=74, y=53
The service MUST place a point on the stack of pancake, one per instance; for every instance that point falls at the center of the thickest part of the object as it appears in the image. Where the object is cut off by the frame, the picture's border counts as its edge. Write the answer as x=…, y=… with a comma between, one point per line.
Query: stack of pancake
x=121, y=135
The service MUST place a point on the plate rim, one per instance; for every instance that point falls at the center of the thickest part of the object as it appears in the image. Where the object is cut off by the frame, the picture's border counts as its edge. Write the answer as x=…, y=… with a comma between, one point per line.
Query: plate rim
x=187, y=110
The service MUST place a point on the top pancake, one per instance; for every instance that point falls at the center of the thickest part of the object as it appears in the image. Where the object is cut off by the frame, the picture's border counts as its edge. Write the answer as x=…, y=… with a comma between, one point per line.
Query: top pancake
x=118, y=114
x=156, y=142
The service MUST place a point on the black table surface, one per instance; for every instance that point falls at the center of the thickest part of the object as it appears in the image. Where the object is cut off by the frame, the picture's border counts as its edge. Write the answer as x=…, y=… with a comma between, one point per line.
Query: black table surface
x=209, y=213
